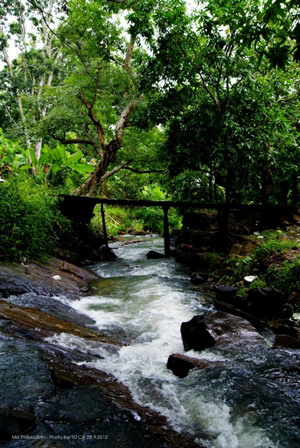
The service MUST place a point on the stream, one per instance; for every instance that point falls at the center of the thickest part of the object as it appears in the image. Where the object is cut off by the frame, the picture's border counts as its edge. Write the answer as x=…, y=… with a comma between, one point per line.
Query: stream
x=251, y=402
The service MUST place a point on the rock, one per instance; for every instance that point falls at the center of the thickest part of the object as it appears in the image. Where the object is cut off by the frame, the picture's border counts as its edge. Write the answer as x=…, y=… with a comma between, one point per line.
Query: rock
x=236, y=249
x=225, y=293
x=264, y=302
x=286, y=341
x=199, y=261
x=195, y=261
x=198, y=279
x=43, y=278
x=224, y=331
x=225, y=270
x=294, y=299
x=181, y=364
x=40, y=324
x=249, y=279
x=153, y=255
x=249, y=247
x=15, y=421
x=195, y=334
x=287, y=330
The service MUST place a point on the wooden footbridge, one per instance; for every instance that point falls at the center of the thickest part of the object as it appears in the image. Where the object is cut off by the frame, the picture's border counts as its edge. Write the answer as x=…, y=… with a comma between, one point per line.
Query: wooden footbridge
x=80, y=209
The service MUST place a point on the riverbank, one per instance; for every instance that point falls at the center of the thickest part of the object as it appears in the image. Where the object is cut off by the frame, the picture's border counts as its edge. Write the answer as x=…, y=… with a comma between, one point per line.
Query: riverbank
x=252, y=274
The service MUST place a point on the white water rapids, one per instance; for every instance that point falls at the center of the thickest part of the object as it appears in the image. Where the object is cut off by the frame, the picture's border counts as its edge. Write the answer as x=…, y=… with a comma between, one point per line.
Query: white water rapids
x=143, y=302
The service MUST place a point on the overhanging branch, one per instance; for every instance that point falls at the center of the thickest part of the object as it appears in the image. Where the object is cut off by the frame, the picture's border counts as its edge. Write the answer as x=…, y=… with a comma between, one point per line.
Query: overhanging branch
x=143, y=171
x=73, y=141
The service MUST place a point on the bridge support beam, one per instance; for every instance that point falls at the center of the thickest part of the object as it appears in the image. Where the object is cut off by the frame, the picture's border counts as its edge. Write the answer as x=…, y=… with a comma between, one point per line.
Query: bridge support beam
x=104, y=225
x=166, y=232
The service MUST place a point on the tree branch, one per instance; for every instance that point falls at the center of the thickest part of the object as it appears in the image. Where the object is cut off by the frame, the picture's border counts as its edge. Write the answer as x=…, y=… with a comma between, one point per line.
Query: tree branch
x=112, y=172
x=97, y=123
x=127, y=111
x=129, y=52
x=143, y=171
x=73, y=141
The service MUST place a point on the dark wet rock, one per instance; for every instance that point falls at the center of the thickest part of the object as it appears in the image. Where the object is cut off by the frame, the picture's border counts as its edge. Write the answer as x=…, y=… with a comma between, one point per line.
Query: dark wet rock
x=195, y=334
x=46, y=395
x=224, y=270
x=42, y=324
x=86, y=254
x=224, y=331
x=198, y=279
x=264, y=302
x=153, y=255
x=50, y=278
x=24, y=380
x=285, y=329
x=52, y=306
x=181, y=364
x=287, y=341
x=107, y=406
x=225, y=293
x=15, y=421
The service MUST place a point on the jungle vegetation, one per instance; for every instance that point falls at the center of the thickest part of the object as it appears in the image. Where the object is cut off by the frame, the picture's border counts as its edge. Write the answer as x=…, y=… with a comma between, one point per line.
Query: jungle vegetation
x=189, y=100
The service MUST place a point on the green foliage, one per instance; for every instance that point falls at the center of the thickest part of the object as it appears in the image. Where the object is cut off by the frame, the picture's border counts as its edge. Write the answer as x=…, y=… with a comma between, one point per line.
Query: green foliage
x=29, y=219
x=118, y=220
x=61, y=167
x=274, y=244
x=150, y=219
x=258, y=283
x=241, y=265
x=286, y=278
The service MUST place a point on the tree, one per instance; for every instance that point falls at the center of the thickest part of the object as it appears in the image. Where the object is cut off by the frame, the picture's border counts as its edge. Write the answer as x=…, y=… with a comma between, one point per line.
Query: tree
x=27, y=26
x=105, y=88
x=227, y=119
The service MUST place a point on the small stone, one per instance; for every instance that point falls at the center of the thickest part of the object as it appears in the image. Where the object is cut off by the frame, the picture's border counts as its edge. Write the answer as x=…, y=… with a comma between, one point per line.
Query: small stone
x=56, y=277
x=198, y=279
x=249, y=279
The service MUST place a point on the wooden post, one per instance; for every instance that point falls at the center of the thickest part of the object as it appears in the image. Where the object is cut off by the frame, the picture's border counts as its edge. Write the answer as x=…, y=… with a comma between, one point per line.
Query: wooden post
x=166, y=232
x=104, y=225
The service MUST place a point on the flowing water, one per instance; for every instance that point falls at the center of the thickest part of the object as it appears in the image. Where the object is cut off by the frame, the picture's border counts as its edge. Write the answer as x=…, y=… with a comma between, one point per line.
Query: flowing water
x=248, y=404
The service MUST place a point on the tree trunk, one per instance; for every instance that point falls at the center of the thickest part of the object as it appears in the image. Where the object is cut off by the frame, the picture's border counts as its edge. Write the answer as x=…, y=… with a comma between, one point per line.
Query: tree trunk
x=92, y=183
x=267, y=182
x=295, y=194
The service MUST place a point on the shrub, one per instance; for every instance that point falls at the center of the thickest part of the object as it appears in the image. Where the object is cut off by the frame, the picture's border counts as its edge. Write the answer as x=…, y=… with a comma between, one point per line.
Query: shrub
x=286, y=277
x=29, y=219
x=273, y=245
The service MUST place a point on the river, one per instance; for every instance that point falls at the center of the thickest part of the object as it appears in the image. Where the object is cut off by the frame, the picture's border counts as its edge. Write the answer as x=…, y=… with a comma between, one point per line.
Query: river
x=143, y=303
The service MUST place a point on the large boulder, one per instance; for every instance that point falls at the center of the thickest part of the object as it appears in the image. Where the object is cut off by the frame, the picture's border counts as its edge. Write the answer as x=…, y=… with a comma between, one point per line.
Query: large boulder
x=195, y=334
x=224, y=331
